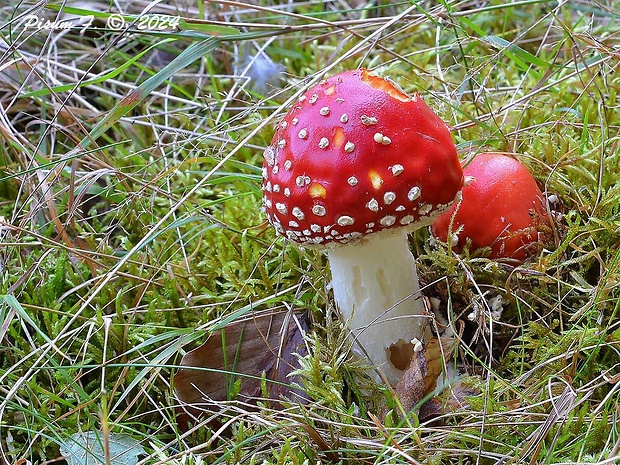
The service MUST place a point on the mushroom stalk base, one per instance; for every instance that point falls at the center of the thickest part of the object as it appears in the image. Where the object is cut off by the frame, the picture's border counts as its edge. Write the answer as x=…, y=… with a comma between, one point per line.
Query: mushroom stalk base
x=376, y=288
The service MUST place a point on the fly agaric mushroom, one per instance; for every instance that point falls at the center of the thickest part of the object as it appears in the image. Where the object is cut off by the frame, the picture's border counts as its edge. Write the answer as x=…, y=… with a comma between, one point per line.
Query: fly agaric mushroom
x=353, y=167
x=502, y=208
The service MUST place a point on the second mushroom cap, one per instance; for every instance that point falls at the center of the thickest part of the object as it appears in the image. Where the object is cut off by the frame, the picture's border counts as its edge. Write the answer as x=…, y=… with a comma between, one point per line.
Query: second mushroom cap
x=502, y=208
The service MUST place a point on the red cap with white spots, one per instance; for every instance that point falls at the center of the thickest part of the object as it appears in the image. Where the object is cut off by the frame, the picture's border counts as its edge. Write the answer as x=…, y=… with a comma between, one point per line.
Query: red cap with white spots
x=355, y=156
x=503, y=192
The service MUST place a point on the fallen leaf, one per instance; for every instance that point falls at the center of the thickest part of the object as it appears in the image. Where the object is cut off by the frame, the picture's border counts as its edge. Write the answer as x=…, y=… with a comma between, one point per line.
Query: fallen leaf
x=420, y=378
x=88, y=449
x=451, y=399
x=239, y=358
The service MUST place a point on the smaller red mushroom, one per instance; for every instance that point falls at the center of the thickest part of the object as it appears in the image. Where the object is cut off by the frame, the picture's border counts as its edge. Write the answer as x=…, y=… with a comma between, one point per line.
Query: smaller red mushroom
x=502, y=208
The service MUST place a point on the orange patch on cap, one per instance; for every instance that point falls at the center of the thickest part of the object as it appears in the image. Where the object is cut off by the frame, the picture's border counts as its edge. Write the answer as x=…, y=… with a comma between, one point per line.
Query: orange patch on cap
x=338, y=137
x=384, y=85
x=317, y=190
x=375, y=179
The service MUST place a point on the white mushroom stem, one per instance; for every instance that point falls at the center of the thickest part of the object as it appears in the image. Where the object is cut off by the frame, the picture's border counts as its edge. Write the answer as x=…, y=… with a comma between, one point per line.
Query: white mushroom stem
x=376, y=288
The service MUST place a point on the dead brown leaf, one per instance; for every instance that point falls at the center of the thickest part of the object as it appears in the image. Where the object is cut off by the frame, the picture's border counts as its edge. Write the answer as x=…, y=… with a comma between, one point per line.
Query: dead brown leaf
x=450, y=400
x=243, y=352
x=420, y=378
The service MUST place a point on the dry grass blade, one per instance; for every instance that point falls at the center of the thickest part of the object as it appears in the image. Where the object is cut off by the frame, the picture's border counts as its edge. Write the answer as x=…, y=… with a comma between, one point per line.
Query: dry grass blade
x=561, y=407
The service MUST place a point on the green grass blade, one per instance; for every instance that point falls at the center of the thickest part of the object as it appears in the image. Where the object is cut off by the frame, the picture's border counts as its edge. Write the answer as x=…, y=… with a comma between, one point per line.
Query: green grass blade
x=13, y=303
x=206, y=28
x=520, y=56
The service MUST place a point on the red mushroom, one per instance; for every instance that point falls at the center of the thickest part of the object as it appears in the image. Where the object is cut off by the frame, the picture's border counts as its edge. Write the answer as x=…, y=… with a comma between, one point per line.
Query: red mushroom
x=502, y=208
x=353, y=167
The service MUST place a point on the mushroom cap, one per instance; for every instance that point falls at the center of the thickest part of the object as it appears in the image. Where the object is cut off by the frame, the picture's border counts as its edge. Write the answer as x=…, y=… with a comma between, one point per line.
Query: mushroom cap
x=355, y=156
x=502, y=208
